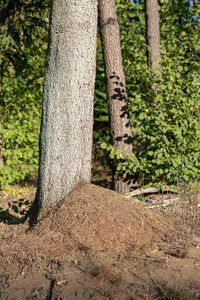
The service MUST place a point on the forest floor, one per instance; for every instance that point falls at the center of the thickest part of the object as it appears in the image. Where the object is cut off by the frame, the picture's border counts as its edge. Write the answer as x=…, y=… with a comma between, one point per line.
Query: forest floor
x=97, y=244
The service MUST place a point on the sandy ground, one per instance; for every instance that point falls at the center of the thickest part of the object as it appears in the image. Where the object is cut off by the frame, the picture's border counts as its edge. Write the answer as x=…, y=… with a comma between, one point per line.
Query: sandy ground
x=97, y=244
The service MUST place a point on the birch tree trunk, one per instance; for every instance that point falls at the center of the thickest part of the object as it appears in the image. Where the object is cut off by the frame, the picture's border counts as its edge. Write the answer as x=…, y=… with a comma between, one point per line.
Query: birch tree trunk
x=120, y=129
x=67, y=109
x=153, y=35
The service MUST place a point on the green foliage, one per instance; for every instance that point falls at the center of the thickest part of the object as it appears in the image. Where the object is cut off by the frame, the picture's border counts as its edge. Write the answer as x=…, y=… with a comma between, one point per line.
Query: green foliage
x=166, y=138
x=101, y=126
x=23, y=30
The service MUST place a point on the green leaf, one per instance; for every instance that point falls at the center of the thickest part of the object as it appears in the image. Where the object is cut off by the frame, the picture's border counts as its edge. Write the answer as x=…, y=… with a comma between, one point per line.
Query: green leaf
x=180, y=69
x=109, y=148
x=103, y=145
x=118, y=156
x=119, y=166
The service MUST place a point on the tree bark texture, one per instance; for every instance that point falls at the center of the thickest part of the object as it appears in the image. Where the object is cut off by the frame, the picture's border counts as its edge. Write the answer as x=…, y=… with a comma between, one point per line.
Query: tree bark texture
x=153, y=35
x=120, y=129
x=67, y=109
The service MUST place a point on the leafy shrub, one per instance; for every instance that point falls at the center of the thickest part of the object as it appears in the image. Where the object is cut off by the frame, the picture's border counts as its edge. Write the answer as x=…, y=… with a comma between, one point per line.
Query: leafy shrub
x=167, y=136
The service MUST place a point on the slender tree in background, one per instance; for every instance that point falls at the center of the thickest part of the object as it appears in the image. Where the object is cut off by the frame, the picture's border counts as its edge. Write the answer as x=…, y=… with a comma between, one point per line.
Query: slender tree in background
x=67, y=113
x=153, y=35
x=120, y=129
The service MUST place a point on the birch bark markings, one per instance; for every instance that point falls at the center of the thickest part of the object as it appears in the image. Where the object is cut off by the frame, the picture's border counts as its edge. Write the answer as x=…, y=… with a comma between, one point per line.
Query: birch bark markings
x=67, y=110
x=120, y=128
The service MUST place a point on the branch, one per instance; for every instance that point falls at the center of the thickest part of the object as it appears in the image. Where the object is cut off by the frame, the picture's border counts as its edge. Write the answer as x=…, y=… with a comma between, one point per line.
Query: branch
x=152, y=190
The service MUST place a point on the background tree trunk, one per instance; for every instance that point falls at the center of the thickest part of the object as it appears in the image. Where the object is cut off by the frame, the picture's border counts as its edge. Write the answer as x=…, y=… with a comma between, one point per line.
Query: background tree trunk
x=120, y=129
x=67, y=111
x=153, y=35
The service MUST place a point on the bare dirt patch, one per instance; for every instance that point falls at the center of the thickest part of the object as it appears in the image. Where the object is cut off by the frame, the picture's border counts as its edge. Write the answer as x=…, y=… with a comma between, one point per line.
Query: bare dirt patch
x=97, y=244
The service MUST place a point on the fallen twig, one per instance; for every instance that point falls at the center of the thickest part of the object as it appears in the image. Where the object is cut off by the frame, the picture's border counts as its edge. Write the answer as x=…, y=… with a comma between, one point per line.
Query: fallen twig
x=152, y=190
x=161, y=259
x=166, y=202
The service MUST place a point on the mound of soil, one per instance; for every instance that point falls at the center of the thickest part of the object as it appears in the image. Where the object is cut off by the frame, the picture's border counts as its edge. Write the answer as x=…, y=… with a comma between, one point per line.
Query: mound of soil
x=86, y=249
x=92, y=216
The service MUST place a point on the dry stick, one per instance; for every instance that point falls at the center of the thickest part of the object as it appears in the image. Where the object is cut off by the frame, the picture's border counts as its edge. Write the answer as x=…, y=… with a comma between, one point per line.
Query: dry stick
x=162, y=259
x=165, y=202
x=168, y=202
x=152, y=190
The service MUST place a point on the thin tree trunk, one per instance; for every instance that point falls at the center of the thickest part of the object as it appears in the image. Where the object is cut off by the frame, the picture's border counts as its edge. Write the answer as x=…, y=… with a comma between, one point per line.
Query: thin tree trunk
x=120, y=128
x=153, y=35
x=67, y=110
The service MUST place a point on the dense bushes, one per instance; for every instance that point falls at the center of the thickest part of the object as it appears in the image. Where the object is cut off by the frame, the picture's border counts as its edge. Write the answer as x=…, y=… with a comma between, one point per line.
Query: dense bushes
x=166, y=139
x=23, y=43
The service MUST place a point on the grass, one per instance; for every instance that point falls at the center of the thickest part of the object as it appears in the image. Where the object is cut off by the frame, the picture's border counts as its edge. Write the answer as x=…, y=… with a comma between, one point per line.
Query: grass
x=180, y=291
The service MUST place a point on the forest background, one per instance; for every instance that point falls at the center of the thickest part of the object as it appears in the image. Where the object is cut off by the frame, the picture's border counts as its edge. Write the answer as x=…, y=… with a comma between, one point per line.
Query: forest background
x=166, y=139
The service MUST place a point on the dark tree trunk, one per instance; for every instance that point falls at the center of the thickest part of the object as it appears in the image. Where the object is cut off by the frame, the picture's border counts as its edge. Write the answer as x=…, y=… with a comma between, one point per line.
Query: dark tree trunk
x=67, y=110
x=120, y=128
x=153, y=35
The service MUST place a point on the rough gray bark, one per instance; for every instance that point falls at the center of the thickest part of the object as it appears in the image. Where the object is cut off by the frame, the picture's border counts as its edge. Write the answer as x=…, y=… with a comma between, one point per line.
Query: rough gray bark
x=153, y=35
x=67, y=109
x=120, y=128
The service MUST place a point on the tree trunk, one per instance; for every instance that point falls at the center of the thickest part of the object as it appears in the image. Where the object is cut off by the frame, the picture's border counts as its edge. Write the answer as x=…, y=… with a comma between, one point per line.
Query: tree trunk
x=67, y=109
x=153, y=35
x=120, y=129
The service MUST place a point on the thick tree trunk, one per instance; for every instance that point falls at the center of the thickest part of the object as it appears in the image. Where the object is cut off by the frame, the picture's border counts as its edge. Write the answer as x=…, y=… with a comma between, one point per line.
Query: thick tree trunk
x=67, y=111
x=121, y=134
x=153, y=35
